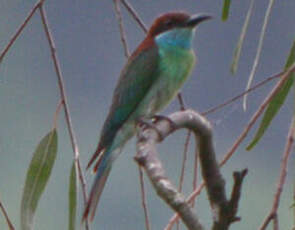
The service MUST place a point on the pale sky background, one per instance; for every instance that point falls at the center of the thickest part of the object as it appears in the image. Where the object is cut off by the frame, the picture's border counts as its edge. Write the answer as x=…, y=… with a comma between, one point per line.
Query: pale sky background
x=91, y=56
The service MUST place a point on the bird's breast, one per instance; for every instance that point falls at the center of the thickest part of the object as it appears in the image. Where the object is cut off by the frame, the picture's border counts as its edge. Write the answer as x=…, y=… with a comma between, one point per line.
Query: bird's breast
x=175, y=66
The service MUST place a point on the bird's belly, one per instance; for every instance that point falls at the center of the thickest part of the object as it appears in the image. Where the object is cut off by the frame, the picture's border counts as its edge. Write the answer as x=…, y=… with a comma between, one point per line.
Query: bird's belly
x=161, y=97
x=174, y=71
x=163, y=92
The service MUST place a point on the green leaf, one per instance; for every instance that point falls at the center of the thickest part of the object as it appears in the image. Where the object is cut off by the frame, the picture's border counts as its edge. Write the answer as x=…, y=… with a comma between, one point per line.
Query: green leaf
x=225, y=10
x=72, y=198
x=259, y=50
x=238, y=49
x=37, y=177
x=276, y=103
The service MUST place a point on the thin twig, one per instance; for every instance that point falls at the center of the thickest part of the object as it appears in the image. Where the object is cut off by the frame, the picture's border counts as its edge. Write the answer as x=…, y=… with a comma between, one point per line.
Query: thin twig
x=187, y=140
x=276, y=223
x=257, y=114
x=259, y=48
x=58, y=108
x=20, y=29
x=284, y=76
x=66, y=107
x=185, y=150
x=143, y=201
x=184, y=159
x=231, y=100
x=181, y=101
x=236, y=191
x=122, y=32
x=195, y=178
x=282, y=178
x=6, y=217
x=134, y=14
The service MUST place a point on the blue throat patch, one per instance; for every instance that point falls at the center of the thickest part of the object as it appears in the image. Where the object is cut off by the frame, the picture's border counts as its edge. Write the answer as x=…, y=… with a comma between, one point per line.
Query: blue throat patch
x=179, y=37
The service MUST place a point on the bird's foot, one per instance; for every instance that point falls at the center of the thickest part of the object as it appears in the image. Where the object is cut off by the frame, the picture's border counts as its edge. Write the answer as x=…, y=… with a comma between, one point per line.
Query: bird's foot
x=157, y=118
x=145, y=125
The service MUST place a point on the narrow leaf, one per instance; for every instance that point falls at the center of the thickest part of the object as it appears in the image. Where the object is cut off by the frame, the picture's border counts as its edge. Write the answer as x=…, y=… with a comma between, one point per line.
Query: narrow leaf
x=276, y=103
x=259, y=49
x=72, y=198
x=238, y=49
x=225, y=10
x=37, y=177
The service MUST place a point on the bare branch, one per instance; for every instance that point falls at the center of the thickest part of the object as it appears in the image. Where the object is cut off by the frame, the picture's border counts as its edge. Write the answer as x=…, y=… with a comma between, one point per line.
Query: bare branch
x=181, y=101
x=236, y=192
x=189, y=200
x=6, y=217
x=282, y=178
x=231, y=100
x=134, y=14
x=184, y=159
x=195, y=177
x=58, y=108
x=143, y=201
x=147, y=156
x=122, y=32
x=65, y=103
x=257, y=114
x=185, y=150
x=276, y=223
x=20, y=29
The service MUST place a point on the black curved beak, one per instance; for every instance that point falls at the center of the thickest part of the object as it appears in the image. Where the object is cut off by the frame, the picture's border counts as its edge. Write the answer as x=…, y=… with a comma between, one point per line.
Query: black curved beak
x=194, y=20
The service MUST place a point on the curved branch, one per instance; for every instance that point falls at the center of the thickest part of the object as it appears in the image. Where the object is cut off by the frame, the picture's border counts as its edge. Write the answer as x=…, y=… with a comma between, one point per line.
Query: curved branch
x=224, y=211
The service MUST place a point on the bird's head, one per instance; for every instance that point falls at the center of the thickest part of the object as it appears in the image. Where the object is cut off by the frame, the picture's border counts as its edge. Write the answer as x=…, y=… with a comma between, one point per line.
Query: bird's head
x=173, y=20
x=175, y=26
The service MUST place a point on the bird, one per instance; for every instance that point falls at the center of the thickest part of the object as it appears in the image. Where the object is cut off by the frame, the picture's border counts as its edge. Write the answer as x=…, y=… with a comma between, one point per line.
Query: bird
x=151, y=78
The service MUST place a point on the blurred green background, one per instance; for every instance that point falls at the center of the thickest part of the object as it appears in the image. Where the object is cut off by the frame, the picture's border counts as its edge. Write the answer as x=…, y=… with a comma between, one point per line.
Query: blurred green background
x=91, y=56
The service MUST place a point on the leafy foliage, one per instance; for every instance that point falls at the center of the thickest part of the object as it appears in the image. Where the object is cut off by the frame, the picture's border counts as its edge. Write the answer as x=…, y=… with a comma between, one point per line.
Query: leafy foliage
x=238, y=49
x=72, y=198
x=225, y=9
x=37, y=177
x=276, y=103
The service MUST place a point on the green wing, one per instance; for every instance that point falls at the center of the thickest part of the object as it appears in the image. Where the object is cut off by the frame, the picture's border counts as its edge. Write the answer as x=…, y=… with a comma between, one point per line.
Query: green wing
x=135, y=81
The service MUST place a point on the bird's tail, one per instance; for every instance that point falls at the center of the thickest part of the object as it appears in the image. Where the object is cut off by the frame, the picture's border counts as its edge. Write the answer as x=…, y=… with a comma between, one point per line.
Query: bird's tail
x=102, y=169
x=104, y=157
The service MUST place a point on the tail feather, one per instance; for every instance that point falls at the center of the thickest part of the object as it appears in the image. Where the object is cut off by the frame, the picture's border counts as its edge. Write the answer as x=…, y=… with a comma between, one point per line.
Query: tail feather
x=105, y=155
x=97, y=164
x=96, y=191
x=98, y=154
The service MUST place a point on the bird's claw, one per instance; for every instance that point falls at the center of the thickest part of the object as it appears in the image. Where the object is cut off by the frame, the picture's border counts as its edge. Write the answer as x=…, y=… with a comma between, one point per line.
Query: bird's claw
x=145, y=124
x=157, y=118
